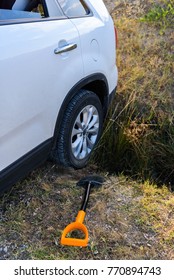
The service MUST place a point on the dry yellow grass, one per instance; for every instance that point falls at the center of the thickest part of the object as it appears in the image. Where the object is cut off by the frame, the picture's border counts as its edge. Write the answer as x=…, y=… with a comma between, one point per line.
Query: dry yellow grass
x=126, y=219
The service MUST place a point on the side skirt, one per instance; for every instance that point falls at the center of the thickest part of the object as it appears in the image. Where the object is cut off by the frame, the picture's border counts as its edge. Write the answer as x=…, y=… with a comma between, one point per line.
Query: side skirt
x=20, y=168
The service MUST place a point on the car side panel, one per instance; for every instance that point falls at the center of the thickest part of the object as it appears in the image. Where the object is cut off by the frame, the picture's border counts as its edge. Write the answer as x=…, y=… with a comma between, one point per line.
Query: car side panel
x=97, y=37
x=34, y=82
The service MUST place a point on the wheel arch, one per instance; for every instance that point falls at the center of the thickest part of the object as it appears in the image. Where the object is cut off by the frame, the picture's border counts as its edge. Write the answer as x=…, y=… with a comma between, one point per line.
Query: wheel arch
x=96, y=83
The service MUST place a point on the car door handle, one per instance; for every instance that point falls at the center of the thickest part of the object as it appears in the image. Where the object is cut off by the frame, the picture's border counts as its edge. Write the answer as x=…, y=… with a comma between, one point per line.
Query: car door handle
x=66, y=48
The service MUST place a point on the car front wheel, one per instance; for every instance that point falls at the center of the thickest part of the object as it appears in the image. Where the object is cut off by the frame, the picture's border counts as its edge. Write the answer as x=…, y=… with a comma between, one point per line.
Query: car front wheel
x=80, y=130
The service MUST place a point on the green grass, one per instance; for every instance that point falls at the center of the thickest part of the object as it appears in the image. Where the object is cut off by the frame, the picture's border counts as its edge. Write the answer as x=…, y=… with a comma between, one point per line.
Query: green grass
x=162, y=15
x=139, y=133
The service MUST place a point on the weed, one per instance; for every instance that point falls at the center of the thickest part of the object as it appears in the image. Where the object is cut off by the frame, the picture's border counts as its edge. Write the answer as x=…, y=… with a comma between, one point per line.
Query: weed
x=156, y=213
x=139, y=133
x=161, y=15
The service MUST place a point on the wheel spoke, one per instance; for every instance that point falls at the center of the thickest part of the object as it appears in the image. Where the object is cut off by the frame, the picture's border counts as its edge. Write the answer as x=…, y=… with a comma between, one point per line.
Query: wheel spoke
x=85, y=116
x=76, y=131
x=85, y=148
x=91, y=111
x=85, y=132
x=77, y=146
x=90, y=143
x=78, y=122
x=94, y=121
x=93, y=130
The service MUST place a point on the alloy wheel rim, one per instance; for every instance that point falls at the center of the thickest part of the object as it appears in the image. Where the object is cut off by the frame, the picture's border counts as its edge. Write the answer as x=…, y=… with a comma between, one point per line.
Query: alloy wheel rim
x=85, y=132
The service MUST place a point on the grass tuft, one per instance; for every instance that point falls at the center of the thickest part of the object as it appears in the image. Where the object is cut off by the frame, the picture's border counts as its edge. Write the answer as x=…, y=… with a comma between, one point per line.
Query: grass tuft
x=161, y=15
x=139, y=134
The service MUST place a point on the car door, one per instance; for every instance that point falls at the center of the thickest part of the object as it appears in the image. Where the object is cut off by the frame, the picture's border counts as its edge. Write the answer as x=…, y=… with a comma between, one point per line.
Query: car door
x=38, y=56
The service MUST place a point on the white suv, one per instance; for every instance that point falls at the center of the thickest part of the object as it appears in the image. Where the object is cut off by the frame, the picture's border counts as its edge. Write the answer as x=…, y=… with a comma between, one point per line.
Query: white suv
x=57, y=79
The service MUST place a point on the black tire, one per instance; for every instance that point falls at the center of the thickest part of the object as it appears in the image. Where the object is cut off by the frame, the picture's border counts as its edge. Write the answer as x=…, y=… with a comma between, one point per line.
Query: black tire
x=80, y=130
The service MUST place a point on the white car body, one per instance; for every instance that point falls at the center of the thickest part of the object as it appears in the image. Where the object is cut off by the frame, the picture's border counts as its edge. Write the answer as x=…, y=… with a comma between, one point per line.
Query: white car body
x=35, y=82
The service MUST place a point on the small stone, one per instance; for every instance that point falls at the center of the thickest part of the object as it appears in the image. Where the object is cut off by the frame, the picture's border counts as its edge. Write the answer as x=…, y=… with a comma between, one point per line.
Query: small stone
x=5, y=249
x=95, y=252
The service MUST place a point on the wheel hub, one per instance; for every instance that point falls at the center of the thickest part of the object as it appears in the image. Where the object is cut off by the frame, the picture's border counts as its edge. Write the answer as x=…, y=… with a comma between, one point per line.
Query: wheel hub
x=85, y=130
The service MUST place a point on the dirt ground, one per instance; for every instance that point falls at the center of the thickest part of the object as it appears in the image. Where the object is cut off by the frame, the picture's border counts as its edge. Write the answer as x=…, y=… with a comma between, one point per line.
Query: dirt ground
x=126, y=219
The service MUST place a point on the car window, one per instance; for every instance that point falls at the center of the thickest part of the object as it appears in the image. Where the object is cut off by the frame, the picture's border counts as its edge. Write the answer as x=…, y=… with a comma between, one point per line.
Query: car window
x=29, y=9
x=21, y=9
x=74, y=8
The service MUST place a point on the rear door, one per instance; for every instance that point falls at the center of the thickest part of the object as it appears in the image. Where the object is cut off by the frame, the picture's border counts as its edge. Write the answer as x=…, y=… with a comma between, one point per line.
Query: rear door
x=38, y=54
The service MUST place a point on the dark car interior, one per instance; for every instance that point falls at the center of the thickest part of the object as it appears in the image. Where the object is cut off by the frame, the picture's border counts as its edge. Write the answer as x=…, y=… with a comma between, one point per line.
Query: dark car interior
x=17, y=9
x=8, y=4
